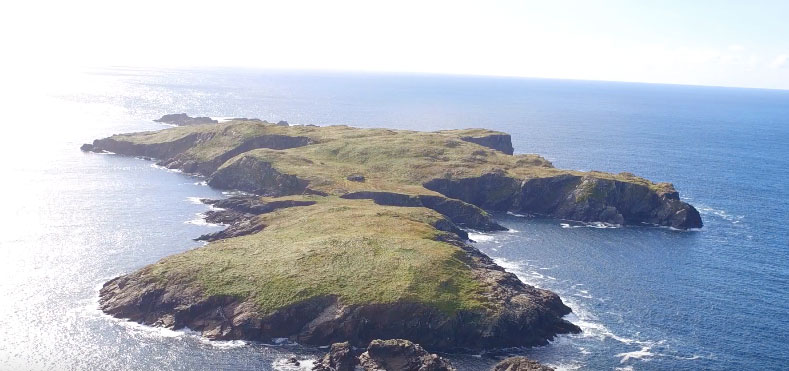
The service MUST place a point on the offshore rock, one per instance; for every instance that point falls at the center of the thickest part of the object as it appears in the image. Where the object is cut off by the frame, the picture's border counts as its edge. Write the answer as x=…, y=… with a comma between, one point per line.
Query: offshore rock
x=182, y=119
x=340, y=358
x=403, y=355
x=382, y=355
x=520, y=364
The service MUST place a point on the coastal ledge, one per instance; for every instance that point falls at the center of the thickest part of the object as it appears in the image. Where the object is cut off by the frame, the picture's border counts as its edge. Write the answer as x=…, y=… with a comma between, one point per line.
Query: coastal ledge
x=354, y=234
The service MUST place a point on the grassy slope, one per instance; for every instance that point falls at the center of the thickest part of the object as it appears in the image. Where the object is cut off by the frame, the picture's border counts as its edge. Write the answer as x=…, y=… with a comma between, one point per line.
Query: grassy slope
x=359, y=251
x=391, y=160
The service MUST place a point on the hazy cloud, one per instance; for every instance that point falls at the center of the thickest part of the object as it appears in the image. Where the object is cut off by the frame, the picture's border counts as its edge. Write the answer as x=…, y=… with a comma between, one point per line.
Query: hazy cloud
x=780, y=61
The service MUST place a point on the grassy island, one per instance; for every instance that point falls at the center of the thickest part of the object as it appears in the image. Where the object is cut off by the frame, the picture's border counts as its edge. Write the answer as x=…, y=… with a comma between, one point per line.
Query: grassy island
x=351, y=234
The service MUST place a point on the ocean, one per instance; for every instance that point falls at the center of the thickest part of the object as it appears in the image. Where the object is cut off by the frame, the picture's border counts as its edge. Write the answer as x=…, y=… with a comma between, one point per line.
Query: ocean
x=646, y=298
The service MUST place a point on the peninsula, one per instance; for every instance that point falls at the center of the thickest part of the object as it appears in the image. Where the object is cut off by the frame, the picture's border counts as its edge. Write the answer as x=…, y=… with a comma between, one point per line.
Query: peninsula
x=349, y=234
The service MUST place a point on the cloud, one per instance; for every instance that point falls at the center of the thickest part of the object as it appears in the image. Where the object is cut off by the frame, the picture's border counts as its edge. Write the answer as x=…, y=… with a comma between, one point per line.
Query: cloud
x=780, y=61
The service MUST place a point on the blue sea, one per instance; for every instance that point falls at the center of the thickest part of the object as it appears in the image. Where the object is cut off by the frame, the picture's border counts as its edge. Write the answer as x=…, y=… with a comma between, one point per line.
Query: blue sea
x=646, y=298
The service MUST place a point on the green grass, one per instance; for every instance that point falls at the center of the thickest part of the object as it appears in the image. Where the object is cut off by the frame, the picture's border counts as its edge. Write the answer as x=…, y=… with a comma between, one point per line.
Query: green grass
x=354, y=249
x=391, y=160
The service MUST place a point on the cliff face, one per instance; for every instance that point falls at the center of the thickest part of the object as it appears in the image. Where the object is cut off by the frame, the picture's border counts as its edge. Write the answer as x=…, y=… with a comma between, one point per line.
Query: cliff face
x=355, y=234
x=574, y=197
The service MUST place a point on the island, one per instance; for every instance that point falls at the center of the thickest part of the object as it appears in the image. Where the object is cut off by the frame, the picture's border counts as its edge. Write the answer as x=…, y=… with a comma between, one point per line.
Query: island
x=345, y=234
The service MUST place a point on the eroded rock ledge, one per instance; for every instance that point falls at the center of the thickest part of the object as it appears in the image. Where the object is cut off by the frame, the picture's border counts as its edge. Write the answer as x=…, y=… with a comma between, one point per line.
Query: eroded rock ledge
x=354, y=234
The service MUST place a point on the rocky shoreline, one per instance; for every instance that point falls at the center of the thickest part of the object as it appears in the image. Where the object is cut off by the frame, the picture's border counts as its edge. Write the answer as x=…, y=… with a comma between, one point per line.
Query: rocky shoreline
x=403, y=355
x=351, y=235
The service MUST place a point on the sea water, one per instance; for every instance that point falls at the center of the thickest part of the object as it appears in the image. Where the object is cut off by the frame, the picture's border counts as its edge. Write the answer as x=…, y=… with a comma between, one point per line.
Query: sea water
x=646, y=298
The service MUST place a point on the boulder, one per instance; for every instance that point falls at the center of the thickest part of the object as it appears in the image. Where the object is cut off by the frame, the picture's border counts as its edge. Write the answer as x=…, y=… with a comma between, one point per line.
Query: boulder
x=339, y=358
x=382, y=355
x=401, y=355
x=355, y=177
x=520, y=364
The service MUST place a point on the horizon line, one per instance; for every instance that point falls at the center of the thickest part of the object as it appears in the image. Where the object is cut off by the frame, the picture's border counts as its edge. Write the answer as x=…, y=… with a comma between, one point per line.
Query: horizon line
x=423, y=73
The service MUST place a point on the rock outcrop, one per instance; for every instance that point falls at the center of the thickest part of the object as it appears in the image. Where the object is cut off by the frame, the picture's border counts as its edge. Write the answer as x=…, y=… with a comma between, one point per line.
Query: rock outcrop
x=182, y=119
x=520, y=364
x=399, y=354
x=250, y=174
x=341, y=357
x=382, y=355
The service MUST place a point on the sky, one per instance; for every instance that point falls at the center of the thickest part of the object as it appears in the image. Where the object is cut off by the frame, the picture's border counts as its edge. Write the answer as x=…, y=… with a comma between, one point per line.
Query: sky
x=699, y=42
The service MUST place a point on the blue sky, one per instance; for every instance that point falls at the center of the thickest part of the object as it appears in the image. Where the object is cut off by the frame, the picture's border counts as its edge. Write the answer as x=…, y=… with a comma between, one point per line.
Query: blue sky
x=726, y=43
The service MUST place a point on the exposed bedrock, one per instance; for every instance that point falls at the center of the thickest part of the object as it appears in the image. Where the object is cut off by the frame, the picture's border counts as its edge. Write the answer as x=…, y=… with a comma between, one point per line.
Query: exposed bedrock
x=461, y=213
x=519, y=315
x=574, y=197
x=499, y=142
